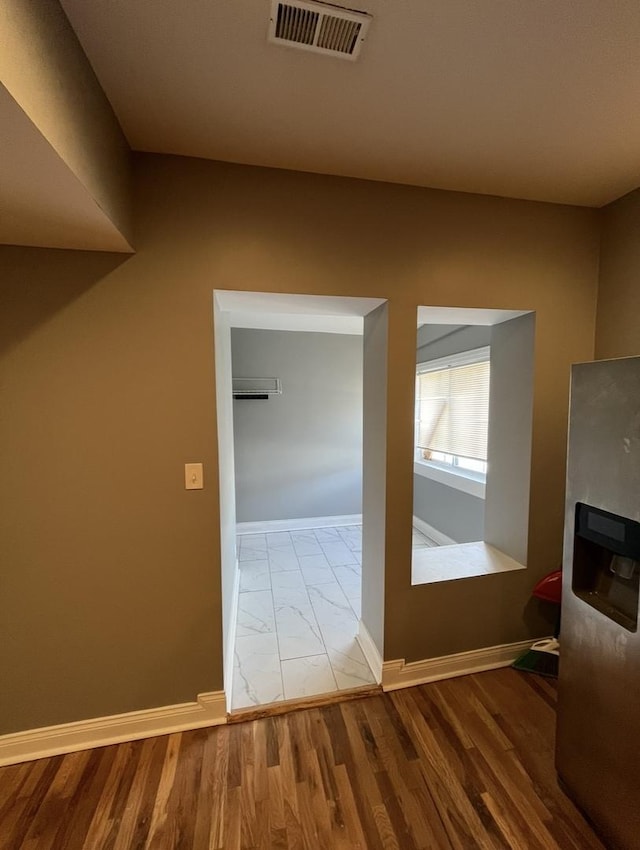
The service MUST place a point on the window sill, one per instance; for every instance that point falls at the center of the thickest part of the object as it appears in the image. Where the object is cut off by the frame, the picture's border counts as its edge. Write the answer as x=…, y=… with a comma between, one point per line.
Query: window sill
x=467, y=482
x=464, y=560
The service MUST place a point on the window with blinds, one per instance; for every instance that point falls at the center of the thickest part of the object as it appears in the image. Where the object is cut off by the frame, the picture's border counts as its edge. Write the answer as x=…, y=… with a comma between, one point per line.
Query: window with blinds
x=452, y=409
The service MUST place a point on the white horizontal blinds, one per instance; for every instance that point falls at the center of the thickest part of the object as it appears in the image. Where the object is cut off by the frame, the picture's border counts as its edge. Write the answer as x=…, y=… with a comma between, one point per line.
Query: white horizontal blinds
x=453, y=410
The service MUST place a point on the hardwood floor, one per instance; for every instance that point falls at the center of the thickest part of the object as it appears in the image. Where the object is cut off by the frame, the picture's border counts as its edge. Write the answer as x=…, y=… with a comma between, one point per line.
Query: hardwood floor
x=462, y=763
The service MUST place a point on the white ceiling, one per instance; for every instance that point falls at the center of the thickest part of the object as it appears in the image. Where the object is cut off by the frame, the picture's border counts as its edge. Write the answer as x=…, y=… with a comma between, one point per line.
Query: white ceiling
x=523, y=98
x=42, y=202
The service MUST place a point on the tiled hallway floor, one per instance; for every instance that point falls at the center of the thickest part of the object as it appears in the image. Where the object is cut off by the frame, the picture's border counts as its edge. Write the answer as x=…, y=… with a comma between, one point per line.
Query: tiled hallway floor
x=298, y=612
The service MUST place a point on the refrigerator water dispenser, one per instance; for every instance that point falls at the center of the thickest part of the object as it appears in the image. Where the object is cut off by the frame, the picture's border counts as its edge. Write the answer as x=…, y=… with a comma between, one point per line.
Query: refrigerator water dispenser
x=606, y=564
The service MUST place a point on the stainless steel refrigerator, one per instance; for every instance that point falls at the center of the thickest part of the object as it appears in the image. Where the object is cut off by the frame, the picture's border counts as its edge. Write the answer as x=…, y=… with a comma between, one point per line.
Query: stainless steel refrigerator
x=598, y=730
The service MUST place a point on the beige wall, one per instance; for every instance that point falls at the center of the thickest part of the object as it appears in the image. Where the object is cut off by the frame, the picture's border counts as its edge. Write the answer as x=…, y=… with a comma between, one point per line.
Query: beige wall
x=110, y=577
x=113, y=581
x=619, y=295
x=44, y=68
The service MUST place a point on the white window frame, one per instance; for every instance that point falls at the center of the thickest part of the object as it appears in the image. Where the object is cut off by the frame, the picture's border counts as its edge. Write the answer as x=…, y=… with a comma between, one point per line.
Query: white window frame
x=473, y=483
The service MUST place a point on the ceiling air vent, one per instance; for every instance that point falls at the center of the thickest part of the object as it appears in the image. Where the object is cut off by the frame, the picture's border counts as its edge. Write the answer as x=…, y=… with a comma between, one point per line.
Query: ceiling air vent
x=319, y=27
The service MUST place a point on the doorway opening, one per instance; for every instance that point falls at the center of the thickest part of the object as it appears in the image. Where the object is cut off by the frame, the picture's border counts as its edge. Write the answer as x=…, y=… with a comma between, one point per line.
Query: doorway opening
x=289, y=377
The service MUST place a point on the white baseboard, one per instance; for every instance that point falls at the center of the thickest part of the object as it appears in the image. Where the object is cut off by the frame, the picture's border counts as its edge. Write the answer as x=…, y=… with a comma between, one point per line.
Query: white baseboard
x=265, y=526
x=396, y=674
x=209, y=710
x=231, y=638
x=370, y=651
x=437, y=536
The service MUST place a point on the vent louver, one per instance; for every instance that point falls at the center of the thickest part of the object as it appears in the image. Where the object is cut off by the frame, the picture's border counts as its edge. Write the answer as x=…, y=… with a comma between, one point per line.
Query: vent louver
x=256, y=387
x=319, y=27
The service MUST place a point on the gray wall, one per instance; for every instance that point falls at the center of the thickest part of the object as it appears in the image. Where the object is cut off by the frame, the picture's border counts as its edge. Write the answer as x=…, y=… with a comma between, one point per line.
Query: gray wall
x=509, y=446
x=298, y=454
x=457, y=514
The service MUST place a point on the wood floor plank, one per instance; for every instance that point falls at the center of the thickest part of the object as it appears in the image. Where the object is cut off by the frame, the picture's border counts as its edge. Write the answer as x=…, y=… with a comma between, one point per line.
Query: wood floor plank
x=19, y=817
x=431, y=817
x=233, y=822
x=270, y=731
x=123, y=794
x=43, y=828
x=390, y=795
x=321, y=806
x=402, y=776
x=454, y=765
x=462, y=822
x=288, y=761
x=499, y=783
x=144, y=783
x=532, y=722
x=276, y=802
x=218, y=747
x=400, y=730
x=204, y=795
x=185, y=789
x=81, y=807
x=158, y=834
x=247, y=798
x=452, y=746
x=14, y=776
x=507, y=804
x=349, y=809
x=362, y=778
x=514, y=837
x=101, y=821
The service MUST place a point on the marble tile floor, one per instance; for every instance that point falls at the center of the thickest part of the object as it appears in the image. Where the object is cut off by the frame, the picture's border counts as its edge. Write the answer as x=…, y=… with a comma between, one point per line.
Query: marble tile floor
x=298, y=612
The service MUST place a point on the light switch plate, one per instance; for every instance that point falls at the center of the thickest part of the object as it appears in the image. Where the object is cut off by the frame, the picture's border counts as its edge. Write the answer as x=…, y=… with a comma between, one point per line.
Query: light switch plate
x=193, y=476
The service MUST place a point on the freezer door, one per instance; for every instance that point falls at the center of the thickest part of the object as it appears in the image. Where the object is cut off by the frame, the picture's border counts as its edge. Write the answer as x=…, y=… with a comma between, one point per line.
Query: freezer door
x=598, y=728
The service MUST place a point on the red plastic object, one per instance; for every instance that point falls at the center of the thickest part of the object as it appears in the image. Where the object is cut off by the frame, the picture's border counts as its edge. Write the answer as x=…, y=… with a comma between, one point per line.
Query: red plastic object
x=549, y=588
